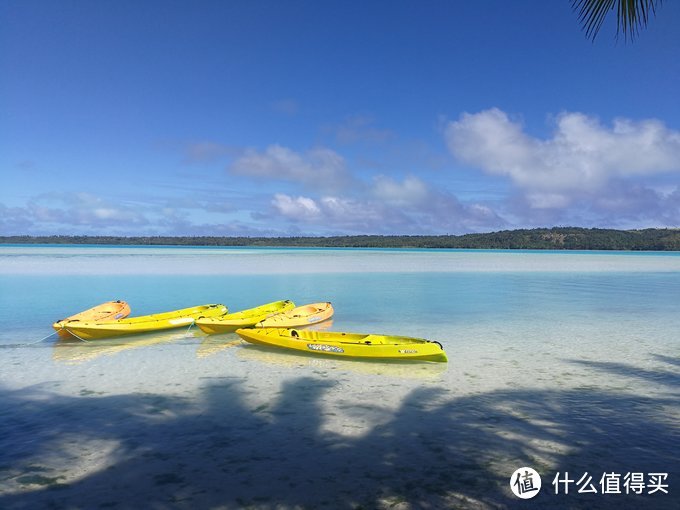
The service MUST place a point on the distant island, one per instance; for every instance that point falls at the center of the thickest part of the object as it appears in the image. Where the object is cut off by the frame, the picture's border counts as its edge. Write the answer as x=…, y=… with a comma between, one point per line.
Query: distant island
x=559, y=238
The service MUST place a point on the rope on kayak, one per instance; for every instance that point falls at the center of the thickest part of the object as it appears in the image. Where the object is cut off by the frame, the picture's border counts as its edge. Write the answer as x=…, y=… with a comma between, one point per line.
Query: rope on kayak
x=81, y=339
x=42, y=339
x=190, y=326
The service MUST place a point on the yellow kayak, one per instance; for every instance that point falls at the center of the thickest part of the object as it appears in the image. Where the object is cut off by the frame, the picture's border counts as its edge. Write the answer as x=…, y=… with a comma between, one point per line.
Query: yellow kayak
x=109, y=311
x=144, y=323
x=229, y=322
x=348, y=345
x=300, y=316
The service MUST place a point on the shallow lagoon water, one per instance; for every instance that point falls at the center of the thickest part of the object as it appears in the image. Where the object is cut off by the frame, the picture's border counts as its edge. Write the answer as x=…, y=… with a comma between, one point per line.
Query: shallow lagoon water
x=558, y=361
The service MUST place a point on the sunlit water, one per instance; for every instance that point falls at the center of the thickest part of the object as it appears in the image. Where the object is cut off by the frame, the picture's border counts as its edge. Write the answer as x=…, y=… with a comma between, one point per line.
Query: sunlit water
x=564, y=362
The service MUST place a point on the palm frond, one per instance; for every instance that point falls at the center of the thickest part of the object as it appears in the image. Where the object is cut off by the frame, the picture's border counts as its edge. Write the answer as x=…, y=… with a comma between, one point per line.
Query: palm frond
x=631, y=15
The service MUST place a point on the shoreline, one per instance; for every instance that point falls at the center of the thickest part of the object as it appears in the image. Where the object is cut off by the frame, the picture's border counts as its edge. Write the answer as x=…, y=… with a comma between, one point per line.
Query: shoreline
x=560, y=238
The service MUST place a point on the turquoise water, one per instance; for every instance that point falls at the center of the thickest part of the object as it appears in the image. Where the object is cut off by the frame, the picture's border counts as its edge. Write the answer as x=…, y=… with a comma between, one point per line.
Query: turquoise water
x=558, y=361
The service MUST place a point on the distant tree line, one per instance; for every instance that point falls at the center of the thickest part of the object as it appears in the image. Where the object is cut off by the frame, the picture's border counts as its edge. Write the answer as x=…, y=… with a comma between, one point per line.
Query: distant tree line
x=562, y=238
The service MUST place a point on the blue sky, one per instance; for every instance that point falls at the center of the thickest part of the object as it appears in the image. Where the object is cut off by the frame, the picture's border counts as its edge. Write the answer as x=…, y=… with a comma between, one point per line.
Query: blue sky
x=322, y=118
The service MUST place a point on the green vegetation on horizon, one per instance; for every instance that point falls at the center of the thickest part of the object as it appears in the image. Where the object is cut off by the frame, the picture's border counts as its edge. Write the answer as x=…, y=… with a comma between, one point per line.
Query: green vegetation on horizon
x=560, y=238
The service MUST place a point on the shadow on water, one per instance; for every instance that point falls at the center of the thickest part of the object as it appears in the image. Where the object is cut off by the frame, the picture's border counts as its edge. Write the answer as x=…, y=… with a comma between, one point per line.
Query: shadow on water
x=669, y=378
x=434, y=451
x=667, y=359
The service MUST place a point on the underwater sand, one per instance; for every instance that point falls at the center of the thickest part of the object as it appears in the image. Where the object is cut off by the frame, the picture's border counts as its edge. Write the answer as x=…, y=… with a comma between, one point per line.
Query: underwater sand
x=574, y=369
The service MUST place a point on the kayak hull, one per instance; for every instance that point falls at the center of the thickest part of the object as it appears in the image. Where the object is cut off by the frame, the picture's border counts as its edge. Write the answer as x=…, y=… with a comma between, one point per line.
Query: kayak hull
x=229, y=322
x=305, y=315
x=143, y=324
x=347, y=345
x=109, y=311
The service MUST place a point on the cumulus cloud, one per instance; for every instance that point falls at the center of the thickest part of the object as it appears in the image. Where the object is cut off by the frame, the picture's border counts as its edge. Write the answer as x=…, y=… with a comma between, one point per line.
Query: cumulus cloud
x=630, y=203
x=580, y=160
x=333, y=213
x=317, y=168
x=300, y=208
x=624, y=205
x=410, y=192
x=14, y=220
x=434, y=209
x=83, y=209
x=68, y=213
x=390, y=206
x=383, y=204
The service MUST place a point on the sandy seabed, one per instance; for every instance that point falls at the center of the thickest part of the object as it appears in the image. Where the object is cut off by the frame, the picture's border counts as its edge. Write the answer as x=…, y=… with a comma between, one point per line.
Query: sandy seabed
x=565, y=363
x=181, y=420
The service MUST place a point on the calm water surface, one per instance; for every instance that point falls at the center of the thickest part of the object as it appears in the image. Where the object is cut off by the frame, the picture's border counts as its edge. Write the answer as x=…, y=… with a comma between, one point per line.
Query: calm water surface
x=564, y=362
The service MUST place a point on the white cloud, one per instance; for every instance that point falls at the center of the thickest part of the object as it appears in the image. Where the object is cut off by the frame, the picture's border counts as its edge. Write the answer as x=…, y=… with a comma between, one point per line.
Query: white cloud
x=432, y=209
x=547, y=200
x=582, y=157
x=317, y=168
x=624, y=205
x=300, y=208
x=329, y=211
x=409, y=206
x=69, y=213
x=14, y=220
x=411, y=192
